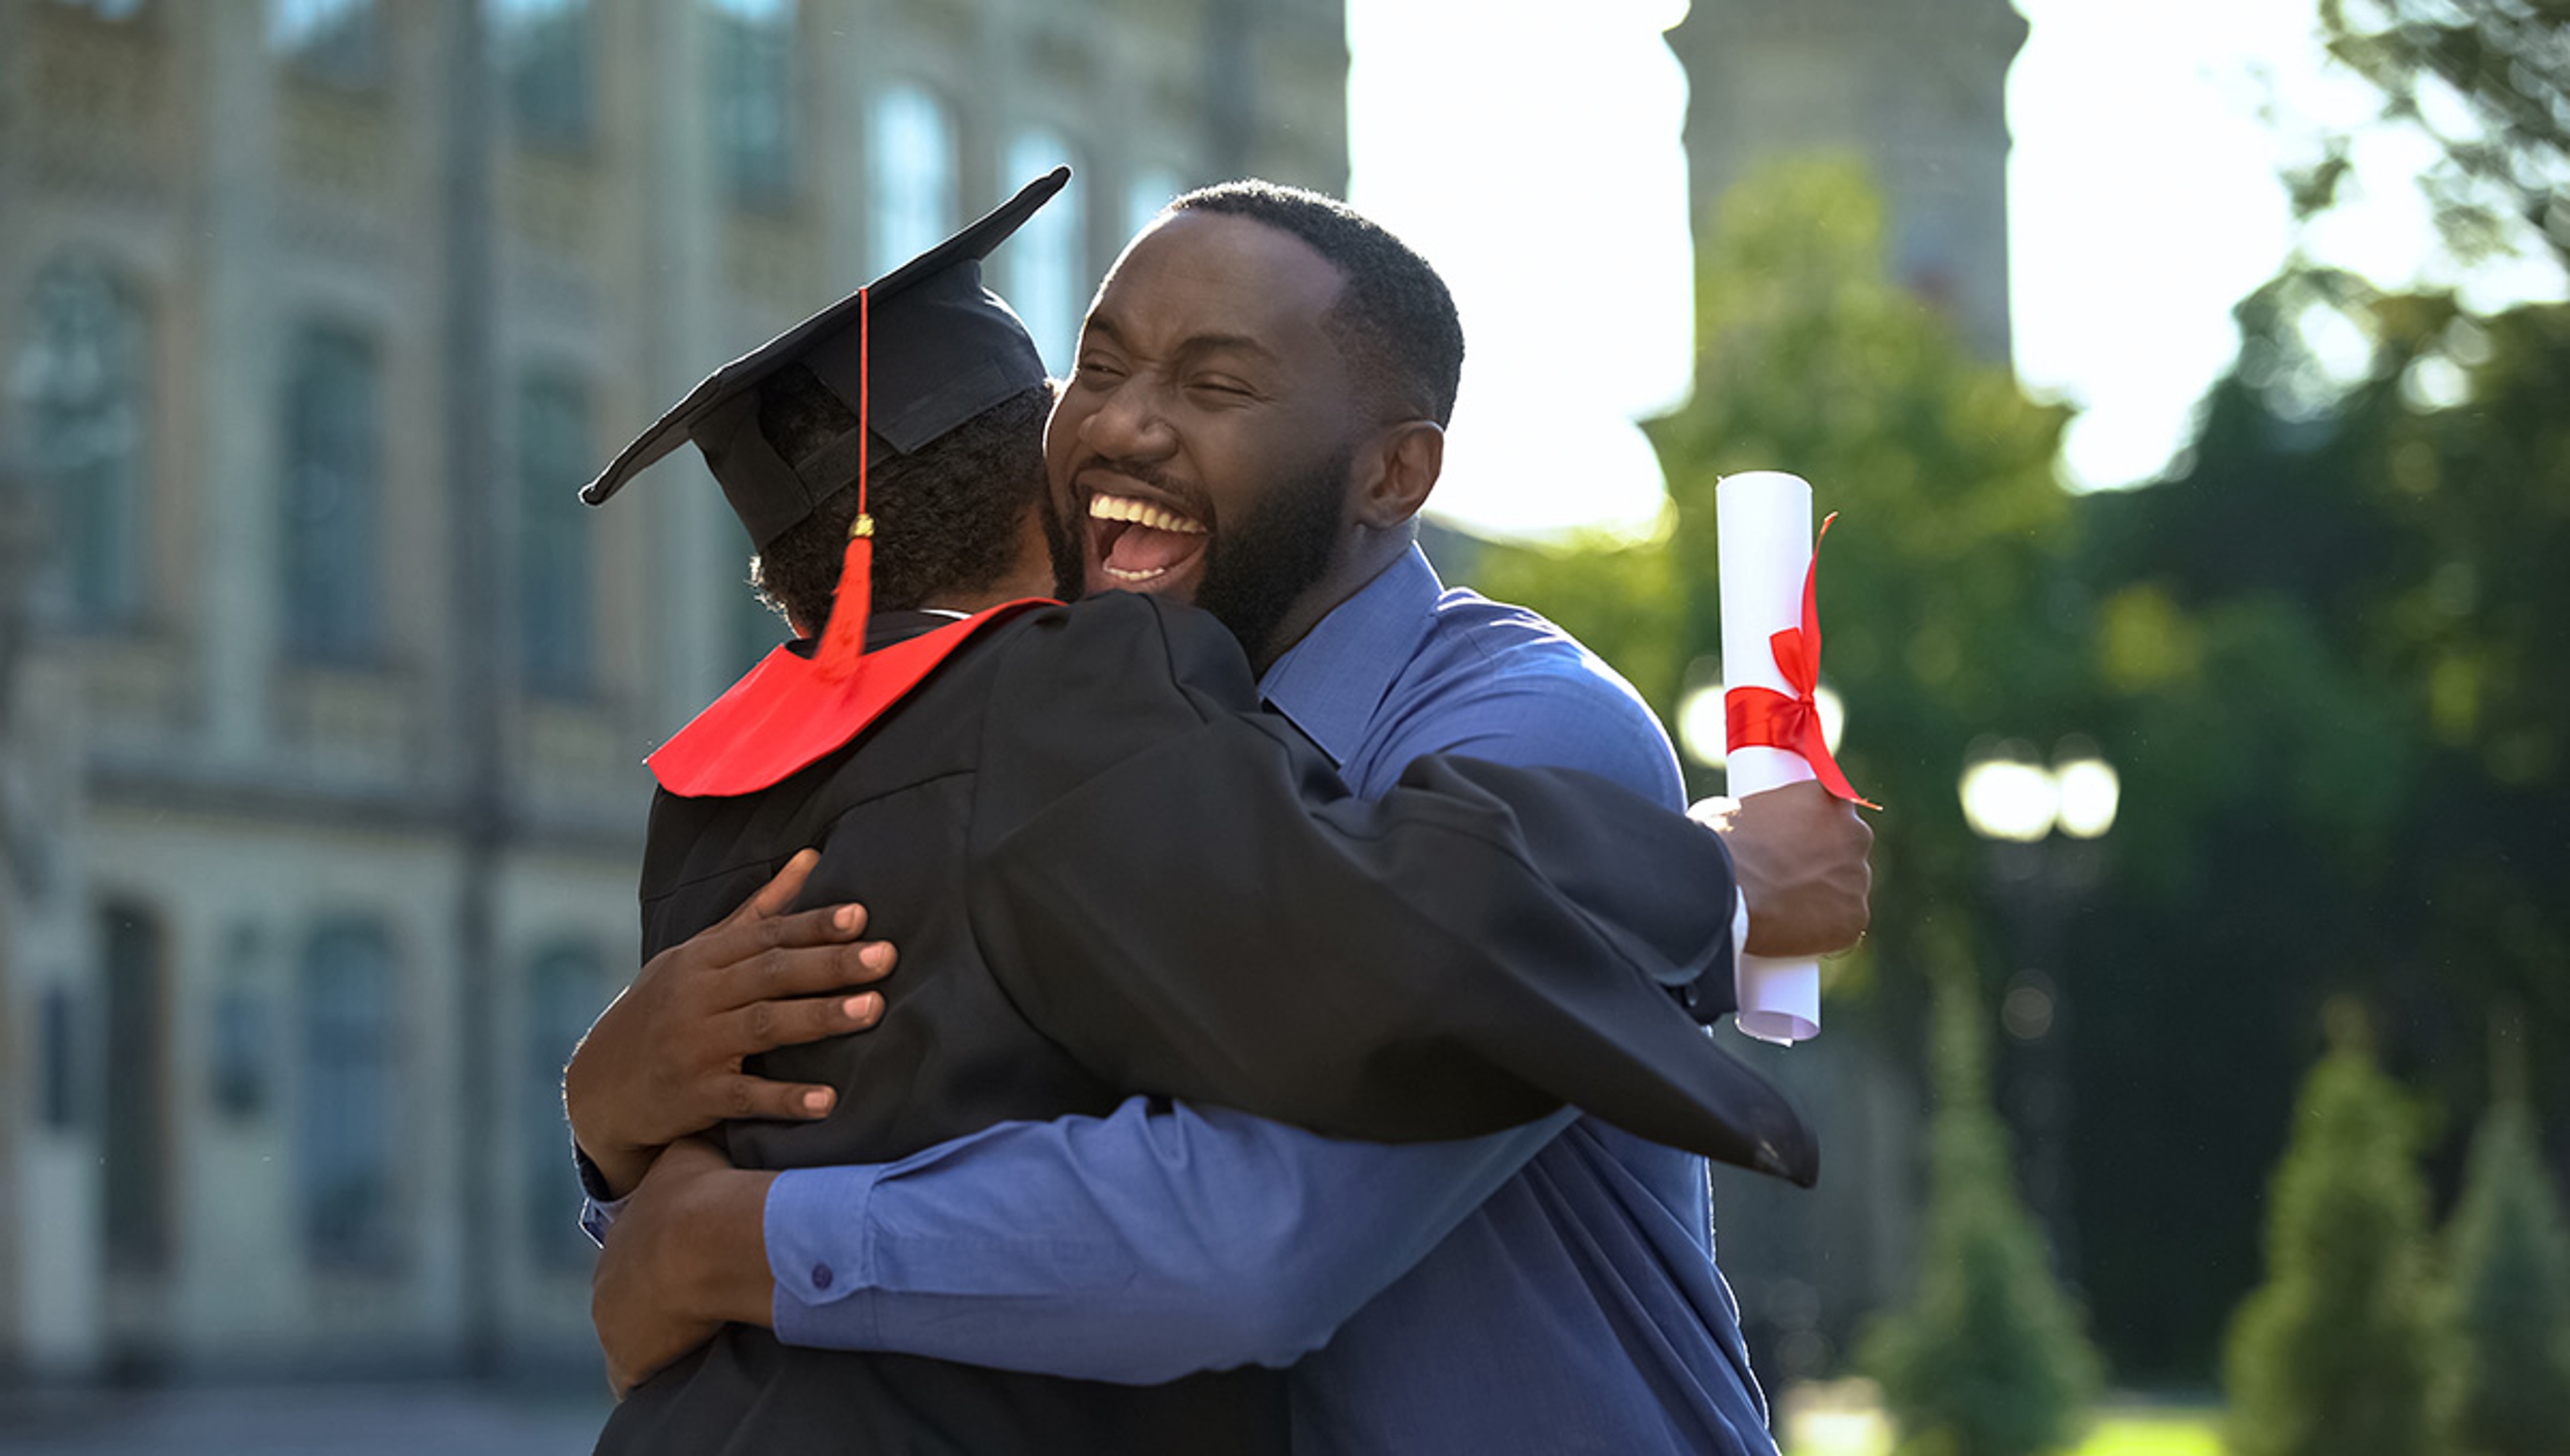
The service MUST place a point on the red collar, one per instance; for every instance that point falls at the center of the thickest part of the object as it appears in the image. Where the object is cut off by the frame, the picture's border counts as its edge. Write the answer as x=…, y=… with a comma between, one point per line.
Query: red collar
x=782, y=717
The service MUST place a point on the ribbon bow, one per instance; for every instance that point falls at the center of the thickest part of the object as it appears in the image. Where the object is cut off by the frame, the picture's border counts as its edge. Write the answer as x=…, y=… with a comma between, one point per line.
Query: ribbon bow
x=1760, y=717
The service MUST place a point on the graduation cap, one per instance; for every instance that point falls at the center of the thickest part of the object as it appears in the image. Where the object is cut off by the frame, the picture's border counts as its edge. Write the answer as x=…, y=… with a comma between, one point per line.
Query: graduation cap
x=950, y=349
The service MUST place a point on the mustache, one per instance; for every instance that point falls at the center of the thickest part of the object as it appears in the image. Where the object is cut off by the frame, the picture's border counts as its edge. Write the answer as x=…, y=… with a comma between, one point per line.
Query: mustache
x=1143, y=471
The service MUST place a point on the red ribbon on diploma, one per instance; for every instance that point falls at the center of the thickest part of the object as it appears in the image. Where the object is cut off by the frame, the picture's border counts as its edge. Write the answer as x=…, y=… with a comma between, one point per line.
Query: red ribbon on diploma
x=1759, y=717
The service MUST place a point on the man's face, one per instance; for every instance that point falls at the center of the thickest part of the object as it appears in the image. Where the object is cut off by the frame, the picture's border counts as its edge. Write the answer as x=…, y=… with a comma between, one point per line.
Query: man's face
x=1202, y=447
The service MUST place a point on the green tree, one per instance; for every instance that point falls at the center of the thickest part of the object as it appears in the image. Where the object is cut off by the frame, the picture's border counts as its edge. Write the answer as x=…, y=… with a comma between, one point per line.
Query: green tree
x=1947, y=603
x=2506, y=1391
x=1989, y=1359
x=2489, y=79
x=2332, y=1356
x=2331, y=664
x=1947, y=594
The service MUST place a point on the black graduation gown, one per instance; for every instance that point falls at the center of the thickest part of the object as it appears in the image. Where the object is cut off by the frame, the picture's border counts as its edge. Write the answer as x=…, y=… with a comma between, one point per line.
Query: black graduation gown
x=1109, y=873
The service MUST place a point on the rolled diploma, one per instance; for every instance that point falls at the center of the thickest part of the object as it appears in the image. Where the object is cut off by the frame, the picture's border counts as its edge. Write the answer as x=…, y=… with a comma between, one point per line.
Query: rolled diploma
x=1763, y=529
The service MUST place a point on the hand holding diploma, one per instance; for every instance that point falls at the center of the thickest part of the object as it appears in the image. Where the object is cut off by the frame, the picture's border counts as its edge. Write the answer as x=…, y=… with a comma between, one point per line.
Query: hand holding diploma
x=1792, y=852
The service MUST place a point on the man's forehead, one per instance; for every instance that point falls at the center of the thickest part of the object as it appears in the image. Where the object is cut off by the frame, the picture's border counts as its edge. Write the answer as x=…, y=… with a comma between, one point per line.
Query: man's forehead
x=1220, y=266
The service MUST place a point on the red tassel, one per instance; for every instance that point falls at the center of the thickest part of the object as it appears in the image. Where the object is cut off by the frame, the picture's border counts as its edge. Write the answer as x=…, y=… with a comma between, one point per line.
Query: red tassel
x=843, y=642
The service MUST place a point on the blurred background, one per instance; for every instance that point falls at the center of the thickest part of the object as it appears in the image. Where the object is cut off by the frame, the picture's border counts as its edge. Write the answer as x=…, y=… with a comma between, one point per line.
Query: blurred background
x=2193, y=379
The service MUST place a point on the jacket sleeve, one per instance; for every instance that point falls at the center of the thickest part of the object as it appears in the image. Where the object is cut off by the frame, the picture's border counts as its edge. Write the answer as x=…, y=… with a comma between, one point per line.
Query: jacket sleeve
x=1180, y=889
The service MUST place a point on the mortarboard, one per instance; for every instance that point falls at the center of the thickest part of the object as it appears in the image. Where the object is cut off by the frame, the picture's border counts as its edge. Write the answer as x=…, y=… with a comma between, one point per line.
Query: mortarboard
x=949, y=349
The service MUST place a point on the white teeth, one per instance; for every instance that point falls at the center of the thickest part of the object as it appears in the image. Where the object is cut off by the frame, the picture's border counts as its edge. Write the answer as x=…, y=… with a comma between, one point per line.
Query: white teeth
x=1141, y=512
x=1122, y=575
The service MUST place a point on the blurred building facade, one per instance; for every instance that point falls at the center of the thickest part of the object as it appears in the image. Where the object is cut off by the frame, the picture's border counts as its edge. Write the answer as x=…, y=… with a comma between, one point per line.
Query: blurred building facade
x=321, y=701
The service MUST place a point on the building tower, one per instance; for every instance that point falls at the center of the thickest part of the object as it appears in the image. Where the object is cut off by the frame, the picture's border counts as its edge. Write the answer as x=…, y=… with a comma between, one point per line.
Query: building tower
x=1916, y=87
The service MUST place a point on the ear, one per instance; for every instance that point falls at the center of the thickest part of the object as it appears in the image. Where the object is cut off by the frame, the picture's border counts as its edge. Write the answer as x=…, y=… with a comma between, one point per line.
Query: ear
x=1407, y=460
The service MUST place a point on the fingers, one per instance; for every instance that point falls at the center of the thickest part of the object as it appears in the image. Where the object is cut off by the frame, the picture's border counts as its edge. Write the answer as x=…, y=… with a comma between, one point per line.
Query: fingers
x=765, y=915
x=746, y=1096
x=780, y=890
x=787, y=973
x=764, y=1025
x=769, y=944
x=741, y=938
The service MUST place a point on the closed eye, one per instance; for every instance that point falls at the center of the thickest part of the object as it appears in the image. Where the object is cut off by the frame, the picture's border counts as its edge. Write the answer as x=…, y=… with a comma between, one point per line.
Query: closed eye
x=1095, y=369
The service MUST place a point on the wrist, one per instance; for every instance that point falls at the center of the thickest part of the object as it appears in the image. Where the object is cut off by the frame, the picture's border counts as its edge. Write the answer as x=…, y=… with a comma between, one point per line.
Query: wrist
x=726, y=1232
x=611, y=1169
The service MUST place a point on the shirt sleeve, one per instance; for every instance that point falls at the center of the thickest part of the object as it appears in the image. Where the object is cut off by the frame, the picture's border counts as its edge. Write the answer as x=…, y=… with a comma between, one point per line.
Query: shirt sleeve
x=1551, y=717
x=1556, y=718
x=598, y=1206
x=1152, y=1243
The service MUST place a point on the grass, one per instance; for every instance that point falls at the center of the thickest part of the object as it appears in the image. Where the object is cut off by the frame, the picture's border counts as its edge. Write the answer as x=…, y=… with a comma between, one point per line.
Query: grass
x=2155, y=1433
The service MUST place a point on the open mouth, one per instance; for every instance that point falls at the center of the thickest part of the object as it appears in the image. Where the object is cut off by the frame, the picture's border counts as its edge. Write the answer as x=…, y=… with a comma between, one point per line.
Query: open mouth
x=1138, y=542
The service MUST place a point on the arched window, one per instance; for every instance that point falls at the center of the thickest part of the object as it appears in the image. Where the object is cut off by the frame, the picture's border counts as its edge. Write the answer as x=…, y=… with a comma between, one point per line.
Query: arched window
x=753, y=97
x=556, y=626
x=567, y=987
x=1048, y=275
x=79, y=377
x=333, y=484
x=345, y=1133
x=910, y=164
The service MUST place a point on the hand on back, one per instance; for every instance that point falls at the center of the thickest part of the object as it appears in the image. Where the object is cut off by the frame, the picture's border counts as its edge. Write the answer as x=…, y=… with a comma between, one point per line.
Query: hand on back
x=664, y=1060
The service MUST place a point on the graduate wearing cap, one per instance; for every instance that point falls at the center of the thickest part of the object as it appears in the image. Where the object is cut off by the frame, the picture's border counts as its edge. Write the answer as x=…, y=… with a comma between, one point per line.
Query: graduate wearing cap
x=1107, y=871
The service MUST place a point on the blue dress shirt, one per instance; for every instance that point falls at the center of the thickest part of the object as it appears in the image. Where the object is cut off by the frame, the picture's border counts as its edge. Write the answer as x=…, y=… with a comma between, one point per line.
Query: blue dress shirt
x=1549, y=1288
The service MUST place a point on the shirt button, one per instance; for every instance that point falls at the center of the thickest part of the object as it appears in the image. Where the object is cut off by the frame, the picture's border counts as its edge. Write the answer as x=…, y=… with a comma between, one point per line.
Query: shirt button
x=821, y=1277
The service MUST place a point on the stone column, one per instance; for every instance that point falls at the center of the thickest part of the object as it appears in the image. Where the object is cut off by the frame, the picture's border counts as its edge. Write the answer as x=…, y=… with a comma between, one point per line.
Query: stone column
x=232, y=362
x=697, y=553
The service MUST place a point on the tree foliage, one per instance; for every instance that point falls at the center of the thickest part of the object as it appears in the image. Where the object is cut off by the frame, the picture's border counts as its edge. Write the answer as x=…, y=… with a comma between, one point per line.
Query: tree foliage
x=2332, y=1356
x=1947, y=591
x=2334, y=661
x=1989, y=1359
x=2330, y=654
x=1944, y=600
x=2490, y=81
x=2506, y=1390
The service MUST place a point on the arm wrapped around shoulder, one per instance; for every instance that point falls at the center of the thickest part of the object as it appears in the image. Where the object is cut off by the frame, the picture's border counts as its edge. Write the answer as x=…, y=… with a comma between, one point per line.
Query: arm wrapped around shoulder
x=1218, y=919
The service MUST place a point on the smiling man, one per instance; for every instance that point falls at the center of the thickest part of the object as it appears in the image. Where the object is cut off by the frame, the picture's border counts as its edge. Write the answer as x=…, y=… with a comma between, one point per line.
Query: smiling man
x=1256, y=416
x=1250, y=431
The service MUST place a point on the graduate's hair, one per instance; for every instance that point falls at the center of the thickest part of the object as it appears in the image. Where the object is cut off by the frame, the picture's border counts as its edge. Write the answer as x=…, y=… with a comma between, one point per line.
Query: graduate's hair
x=1395, y=321
x=947, y=516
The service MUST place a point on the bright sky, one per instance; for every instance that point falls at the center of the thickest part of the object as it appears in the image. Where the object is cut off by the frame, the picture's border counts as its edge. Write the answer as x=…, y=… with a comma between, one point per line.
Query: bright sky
x=1521, y=142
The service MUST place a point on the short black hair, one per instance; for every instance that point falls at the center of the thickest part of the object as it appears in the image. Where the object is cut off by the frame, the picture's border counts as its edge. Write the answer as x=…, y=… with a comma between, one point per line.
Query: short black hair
x=1395, y=321
x=947, y=516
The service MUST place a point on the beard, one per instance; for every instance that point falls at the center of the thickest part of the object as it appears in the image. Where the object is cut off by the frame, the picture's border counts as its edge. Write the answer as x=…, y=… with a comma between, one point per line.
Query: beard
x=1064, y=546
x=1257, y=570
